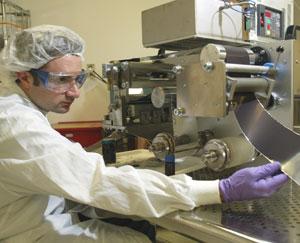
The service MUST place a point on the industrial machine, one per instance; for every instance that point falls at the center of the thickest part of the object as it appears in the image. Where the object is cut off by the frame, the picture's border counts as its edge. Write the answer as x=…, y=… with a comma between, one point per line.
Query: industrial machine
x=211, y=59
x=187, y=96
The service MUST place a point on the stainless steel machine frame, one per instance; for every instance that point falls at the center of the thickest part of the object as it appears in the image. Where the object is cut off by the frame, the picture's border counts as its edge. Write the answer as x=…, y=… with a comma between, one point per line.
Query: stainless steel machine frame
x=186, y=93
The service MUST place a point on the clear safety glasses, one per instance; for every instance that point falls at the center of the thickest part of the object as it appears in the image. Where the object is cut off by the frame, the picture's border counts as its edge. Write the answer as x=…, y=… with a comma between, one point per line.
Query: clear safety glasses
x=59, y=82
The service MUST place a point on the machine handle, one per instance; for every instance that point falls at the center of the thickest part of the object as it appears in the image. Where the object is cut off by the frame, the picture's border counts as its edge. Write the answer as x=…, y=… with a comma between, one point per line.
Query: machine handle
x=291, y=32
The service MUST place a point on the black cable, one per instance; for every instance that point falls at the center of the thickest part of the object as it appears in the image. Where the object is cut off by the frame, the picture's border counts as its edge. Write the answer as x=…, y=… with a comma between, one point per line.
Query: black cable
x=98, y=76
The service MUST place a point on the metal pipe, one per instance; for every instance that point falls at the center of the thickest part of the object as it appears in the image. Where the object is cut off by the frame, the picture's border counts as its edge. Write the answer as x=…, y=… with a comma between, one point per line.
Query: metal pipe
x=142, y=68
x=3, y=8
x=251, y=84
x=239, y=68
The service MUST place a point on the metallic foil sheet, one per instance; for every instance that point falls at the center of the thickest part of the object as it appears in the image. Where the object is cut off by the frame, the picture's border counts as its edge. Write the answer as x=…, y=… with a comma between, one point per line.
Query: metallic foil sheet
x=269, y=137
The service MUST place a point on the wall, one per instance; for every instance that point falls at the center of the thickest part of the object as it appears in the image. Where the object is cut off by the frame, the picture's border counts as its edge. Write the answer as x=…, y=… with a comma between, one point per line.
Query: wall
x=297, y=12
x=111, y=29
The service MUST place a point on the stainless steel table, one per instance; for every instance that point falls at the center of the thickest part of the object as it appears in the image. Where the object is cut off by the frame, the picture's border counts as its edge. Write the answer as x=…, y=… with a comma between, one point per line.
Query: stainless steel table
x=274, y=219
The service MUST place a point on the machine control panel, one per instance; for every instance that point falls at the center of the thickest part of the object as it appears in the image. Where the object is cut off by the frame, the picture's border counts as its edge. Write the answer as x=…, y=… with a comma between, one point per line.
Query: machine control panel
x=269, y=22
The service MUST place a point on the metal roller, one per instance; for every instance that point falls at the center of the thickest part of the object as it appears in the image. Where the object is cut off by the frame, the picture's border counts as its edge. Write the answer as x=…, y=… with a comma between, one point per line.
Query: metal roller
x=160, y=95
x=228, y=54
x=238, y=60
x=162, y=145
x=232, y=54
x=238, y=68
x=251, y=84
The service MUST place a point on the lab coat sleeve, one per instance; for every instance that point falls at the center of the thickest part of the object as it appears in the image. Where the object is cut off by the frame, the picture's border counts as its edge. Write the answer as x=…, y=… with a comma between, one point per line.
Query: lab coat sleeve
x=35, y=159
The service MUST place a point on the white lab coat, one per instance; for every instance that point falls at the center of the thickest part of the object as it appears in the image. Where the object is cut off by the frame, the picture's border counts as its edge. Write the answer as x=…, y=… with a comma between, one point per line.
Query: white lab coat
x=39, y=168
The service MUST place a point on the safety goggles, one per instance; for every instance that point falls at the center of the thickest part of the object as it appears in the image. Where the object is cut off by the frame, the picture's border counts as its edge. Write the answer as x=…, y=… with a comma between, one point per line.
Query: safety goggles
x=59, y=82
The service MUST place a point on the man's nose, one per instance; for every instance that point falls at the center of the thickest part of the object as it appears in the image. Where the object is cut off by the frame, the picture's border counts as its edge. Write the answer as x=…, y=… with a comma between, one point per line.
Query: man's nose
x=73, y=91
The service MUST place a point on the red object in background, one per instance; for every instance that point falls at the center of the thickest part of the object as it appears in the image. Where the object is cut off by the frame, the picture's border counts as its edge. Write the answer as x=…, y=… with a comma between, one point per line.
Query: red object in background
x=86, y=133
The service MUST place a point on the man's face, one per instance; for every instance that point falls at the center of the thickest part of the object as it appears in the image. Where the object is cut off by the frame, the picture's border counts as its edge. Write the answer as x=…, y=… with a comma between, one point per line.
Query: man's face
x=49, y=100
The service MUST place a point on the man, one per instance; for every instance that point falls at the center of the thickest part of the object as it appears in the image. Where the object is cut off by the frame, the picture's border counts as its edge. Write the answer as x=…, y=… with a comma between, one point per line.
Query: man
x=39, y=168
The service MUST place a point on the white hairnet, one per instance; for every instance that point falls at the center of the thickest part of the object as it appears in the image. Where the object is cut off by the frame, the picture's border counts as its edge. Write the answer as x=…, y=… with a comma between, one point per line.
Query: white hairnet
x=36, y=46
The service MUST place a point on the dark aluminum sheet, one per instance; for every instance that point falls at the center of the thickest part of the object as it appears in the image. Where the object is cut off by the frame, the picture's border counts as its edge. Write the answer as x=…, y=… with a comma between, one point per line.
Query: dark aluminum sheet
x=270, y=138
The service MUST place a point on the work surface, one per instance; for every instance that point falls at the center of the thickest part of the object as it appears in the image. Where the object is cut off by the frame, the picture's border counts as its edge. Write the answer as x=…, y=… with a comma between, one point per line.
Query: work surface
x=274, y=219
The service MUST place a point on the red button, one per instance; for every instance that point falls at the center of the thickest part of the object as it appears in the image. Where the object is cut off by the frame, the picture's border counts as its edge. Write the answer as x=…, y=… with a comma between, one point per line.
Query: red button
x=261, y=21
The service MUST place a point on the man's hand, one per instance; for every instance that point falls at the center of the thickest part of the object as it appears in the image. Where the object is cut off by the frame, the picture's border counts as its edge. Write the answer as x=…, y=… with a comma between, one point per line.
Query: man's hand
x=252, y=183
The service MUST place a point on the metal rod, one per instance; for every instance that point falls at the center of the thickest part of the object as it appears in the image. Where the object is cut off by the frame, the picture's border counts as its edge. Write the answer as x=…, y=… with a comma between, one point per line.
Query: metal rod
x=239, y=68
x=3, y=8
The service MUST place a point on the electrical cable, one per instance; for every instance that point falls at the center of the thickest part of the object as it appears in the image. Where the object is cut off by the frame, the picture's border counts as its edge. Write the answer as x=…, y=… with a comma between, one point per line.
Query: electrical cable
x=97, y=76
x=247, y=13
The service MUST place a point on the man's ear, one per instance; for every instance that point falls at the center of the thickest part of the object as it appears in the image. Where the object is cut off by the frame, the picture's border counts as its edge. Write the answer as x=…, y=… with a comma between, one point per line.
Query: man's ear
x=25, y=80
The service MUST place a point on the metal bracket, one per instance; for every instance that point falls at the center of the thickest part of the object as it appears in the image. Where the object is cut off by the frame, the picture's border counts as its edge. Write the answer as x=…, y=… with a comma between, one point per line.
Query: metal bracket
x=231, y=86
x=268, y=93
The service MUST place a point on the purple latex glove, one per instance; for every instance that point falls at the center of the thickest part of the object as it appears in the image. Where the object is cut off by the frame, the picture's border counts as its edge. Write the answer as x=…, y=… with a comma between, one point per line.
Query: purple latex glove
x=252, y=183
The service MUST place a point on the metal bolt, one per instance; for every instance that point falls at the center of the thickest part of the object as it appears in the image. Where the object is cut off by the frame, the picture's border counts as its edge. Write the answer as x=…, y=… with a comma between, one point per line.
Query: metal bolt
x=115, y=69
x=177, y=69
x=277, y=101
x=124, y=85
x=210, y=156
x=127, y=120
x=106, y=67
x=124, y=66
x=208, y=66
x=179, y=111
x=262, y=52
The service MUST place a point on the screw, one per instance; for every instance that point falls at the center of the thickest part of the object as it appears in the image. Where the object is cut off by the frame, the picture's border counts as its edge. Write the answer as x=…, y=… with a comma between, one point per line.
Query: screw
x=208, y=66
x=179, y=111
x=125, y=85
x=177, y=69
x=115, y=69
x=124, y=66
x=262, y=52
x=277, y=101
